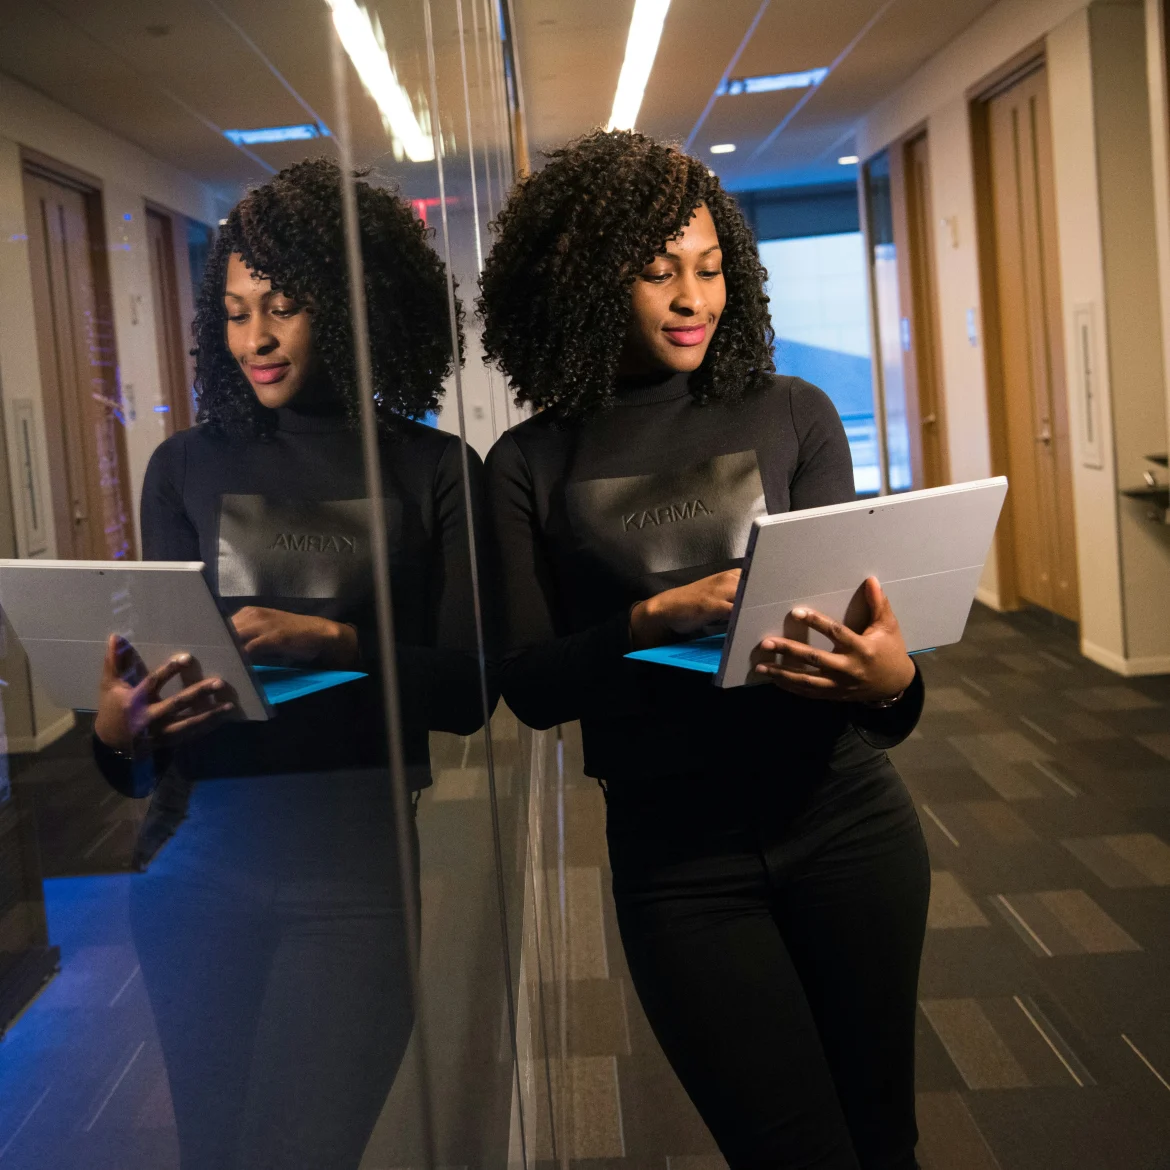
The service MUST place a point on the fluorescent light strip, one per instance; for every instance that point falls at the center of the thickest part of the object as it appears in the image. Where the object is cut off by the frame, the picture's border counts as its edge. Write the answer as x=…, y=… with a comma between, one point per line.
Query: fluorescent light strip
x=641, y=49
x=723, y=148
x=275, y=134
x=848, y=160
x=361, y=37
x=771, y=82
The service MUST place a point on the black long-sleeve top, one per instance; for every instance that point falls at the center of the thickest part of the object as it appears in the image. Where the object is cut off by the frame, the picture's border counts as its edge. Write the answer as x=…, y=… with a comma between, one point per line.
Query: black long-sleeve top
x=658, y=492
x=282, y=522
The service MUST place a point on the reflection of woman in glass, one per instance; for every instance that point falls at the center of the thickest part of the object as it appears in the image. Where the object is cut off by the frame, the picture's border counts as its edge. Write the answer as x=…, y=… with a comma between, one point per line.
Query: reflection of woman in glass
x=270, y=931
x=769, y=871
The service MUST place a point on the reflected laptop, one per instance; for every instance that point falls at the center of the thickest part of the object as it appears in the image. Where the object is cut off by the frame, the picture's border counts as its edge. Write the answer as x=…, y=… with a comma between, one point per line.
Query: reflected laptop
x=64, y=611
x=927, y=548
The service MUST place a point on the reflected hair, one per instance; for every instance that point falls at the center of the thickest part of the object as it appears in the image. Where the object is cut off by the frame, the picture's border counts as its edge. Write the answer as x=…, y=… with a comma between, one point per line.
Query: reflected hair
x=572, y=238
x=290, y=231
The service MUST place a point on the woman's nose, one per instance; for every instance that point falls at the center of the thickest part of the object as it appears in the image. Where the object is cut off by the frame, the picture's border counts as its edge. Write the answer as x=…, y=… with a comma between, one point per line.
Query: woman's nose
x=689, y=297
x=260, y=339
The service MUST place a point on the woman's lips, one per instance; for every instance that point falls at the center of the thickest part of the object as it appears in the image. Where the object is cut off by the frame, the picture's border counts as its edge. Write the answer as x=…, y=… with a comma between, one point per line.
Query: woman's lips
x=689, y=335
x=267, y=374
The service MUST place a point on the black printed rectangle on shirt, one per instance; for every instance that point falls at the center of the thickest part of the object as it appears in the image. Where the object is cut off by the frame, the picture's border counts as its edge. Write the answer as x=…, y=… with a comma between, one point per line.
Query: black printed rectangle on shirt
x=295, y=548
x=649, y=525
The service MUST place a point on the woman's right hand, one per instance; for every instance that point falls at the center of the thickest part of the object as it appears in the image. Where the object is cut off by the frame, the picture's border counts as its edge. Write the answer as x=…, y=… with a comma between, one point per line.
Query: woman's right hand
x=677, y=612
x=133, y=718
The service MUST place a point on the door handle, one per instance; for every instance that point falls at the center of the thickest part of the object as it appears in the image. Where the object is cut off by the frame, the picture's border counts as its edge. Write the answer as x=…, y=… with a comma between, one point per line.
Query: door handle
x=79, y=517
x=1045, y=437
x=929, y=420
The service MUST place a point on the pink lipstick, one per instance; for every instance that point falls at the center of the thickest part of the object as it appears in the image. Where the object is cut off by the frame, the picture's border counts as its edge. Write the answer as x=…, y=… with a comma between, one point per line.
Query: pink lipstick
x=268, y=374
x=687, y=335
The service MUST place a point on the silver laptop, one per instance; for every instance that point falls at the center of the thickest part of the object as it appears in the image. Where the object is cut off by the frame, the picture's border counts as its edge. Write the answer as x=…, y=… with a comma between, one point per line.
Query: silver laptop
x=63, y=612
x=927, y=548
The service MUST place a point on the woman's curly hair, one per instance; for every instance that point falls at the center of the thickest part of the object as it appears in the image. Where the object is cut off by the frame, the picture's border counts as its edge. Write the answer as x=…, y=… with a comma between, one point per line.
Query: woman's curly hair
x=290, y=231
x=555, y=291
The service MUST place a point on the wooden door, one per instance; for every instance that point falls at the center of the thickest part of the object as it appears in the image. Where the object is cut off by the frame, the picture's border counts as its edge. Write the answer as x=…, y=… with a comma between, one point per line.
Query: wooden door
x=168, y=330
x=74, y=336
x=933, y=465
x=1032, y=374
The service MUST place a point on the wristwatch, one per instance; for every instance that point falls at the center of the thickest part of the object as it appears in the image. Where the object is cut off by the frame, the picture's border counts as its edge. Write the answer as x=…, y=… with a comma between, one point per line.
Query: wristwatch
x=882, y=704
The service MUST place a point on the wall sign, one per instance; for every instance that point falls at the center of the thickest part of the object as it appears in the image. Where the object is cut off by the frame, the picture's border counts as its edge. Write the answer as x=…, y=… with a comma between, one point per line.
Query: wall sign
x=1090, y=387
x=33, y=502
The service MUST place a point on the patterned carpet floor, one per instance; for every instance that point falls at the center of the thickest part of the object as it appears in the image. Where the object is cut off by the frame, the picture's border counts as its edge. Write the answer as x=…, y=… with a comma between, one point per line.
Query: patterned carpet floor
x=1043, y=785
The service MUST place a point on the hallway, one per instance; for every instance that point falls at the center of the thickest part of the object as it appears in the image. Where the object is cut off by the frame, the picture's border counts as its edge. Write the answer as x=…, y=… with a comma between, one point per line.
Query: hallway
x=1043, y=785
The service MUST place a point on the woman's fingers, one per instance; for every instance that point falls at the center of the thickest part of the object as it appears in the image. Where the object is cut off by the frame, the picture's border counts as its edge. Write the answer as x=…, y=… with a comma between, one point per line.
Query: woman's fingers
x=837, y=633
x=811, y=686
x=158, y=678
x=200, y=694
x=823, y=660
x=180, y=728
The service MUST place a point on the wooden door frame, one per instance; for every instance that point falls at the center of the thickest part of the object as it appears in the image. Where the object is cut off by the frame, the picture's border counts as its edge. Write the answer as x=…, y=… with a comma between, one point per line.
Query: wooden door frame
x=925, y=332
x=182, y=414
x=907, y=301
x=1032, y=59
x=90, y=189
x=919, y=314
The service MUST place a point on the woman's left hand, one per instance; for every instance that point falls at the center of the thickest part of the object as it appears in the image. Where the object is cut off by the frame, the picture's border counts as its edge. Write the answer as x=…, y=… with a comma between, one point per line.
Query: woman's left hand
x=274, y=637
x=870, y=667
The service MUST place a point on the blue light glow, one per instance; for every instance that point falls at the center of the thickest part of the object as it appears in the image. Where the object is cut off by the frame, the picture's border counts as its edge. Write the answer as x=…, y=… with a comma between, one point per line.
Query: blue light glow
x=771, y=82
x=161, y=409
x=127, y=216
x=276, y=134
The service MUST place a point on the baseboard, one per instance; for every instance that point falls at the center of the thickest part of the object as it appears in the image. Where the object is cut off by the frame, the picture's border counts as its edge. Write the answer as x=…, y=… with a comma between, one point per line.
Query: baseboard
x=24, y=980
x=988, y=597
x=1126, y=667
x=44, y=737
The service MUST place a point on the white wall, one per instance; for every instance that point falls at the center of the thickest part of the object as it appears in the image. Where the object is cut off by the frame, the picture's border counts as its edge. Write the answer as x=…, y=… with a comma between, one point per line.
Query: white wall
x=1082, y=280
x=1133, y=316
x=128, y=178
x=1105, y=223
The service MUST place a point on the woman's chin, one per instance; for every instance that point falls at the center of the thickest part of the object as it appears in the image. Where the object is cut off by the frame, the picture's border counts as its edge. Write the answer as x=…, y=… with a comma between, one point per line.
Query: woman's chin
x=275, y=395
x=683, y=359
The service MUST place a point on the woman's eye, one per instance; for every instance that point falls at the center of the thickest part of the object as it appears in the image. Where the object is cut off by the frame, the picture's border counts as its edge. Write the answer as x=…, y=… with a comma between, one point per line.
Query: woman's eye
x=656, y=277
x=237, y=318
x=711, y=273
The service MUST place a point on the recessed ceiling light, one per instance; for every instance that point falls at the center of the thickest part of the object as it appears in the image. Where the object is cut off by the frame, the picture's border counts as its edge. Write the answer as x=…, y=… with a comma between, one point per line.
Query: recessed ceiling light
x=848, y=160
x=723, y=148
x=770, y=82
x=361, y=36
x=275, y=134
x=641, y=49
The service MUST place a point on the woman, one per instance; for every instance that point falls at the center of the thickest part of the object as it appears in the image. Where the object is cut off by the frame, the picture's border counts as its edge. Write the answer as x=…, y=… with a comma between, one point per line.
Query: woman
x=770, y=875
x=270, y=931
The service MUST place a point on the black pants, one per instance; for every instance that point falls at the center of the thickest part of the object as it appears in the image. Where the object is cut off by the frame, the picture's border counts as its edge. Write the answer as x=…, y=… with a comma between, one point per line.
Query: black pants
x=776, y=952
x=272, y=941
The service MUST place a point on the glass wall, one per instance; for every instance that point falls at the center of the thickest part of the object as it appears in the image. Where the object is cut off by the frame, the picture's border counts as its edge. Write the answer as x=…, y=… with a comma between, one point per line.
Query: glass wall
x=262, y=865
x=893, y=329
x=820, y=315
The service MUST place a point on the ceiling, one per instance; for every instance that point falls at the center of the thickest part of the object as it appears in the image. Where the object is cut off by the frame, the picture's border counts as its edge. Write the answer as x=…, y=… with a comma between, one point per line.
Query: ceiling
x=571, y=55
x=171, y=75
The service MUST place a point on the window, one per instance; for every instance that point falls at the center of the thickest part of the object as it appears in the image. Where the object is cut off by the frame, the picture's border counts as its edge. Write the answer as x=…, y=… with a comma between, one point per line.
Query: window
x=819, y=302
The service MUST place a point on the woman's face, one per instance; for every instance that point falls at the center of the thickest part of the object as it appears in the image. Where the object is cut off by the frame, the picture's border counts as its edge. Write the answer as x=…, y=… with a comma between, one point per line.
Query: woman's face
x=269, y=334
x=677, y=300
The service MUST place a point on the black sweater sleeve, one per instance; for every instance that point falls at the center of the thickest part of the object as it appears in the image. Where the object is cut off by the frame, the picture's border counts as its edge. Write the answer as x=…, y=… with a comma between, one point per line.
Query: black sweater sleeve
x=439, y=682
x=167, y=535
x=547, y=677
x=438, y=662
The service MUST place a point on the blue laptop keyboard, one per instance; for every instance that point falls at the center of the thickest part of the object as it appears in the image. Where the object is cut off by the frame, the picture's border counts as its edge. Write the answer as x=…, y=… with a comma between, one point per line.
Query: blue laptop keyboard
x=281, y=683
